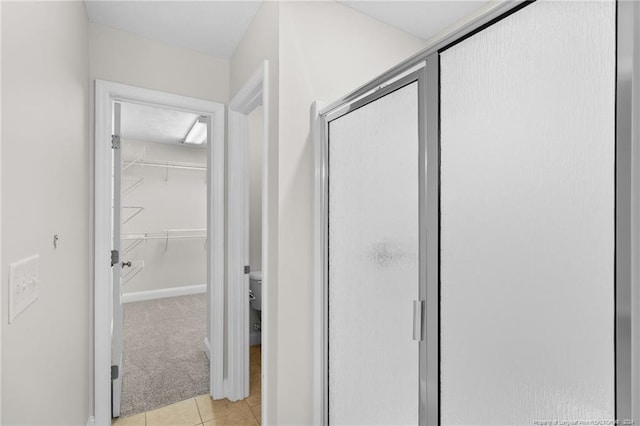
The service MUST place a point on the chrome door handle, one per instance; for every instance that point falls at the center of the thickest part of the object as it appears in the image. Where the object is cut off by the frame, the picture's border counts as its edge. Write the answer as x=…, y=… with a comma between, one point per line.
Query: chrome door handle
x=418, y=308
x=126, y=264
x=251, y=296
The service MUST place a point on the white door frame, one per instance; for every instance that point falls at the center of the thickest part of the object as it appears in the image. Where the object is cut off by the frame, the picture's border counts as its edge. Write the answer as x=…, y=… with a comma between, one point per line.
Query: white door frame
x=253, y=94
x=105, y=94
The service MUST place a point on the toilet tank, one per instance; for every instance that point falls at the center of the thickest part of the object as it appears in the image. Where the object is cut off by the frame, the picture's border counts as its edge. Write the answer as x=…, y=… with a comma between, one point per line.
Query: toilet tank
x=255, y=285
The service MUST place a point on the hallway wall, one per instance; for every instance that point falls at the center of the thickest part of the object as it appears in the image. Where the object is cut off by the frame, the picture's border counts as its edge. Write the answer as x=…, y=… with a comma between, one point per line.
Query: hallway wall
x=127, y=58
x=45, y=191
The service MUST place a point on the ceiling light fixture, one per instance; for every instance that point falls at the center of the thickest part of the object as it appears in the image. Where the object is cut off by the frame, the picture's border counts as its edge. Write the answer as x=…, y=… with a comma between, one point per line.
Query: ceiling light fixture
x=197, y=134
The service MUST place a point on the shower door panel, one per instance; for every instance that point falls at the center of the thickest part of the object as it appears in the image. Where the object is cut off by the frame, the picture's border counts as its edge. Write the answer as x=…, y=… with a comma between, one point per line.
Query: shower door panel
x=527, y=218
x=373, y=277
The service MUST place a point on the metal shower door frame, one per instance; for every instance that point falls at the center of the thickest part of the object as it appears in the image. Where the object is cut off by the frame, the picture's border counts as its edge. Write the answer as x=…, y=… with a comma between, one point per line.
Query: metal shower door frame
x=627, y=216
x=420, y=77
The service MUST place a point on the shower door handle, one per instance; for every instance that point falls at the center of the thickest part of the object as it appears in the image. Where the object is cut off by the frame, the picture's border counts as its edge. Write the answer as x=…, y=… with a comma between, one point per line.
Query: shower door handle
x=418, y=308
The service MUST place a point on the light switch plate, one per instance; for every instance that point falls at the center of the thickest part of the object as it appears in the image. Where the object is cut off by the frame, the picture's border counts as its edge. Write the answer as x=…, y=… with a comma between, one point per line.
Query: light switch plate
x=23, y=285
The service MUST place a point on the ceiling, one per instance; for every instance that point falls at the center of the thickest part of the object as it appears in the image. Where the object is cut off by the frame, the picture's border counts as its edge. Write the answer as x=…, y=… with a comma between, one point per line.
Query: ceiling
x=216, y=27
x=147, y=123
x=423, y=19
x=212, y=27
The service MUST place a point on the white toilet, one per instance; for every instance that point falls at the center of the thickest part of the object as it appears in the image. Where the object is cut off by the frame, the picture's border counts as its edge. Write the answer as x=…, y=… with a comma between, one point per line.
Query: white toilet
x=255, y=300
x=255, y=290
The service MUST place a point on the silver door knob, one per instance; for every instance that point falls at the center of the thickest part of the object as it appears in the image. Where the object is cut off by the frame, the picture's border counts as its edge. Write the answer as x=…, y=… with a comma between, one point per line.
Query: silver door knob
x=126, y=264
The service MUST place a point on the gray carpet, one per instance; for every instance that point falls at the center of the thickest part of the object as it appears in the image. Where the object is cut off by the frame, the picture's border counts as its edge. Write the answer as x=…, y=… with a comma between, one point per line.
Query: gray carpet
x=164, y=360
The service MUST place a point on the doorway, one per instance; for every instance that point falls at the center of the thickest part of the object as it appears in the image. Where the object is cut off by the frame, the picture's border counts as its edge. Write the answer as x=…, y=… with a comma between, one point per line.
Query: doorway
x=209, y=118
x=248, y=242
x=160, y=322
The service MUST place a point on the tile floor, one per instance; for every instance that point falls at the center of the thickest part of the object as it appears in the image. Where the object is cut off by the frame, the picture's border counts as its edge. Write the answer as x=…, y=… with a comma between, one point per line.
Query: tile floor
x=203, y=411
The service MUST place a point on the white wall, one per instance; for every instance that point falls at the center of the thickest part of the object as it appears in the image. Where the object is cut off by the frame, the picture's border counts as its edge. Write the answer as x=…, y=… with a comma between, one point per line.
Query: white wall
x=326, y=50
x=260, y=43
x=179, y=202
x=123, y=57
x=45, y=191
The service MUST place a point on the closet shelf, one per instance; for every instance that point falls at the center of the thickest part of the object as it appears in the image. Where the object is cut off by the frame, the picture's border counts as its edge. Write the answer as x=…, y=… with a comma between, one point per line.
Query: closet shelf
x=164, y=164
x=141, y=161
x=166, y=235
x=137, y=160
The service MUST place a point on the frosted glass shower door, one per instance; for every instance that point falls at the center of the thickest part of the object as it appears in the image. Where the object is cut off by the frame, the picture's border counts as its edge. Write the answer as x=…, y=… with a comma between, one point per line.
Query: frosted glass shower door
x=373, y=262
x=527, y=218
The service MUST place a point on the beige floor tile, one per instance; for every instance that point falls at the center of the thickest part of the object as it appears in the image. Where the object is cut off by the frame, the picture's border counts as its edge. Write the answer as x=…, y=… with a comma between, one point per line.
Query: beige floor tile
x=240, y=418
x=213, y=410
x=135, y=420
x=255, y=387
x=257, y=411
x=184, y=413
x=255, y=394
x=255, y=382
x=255, y=377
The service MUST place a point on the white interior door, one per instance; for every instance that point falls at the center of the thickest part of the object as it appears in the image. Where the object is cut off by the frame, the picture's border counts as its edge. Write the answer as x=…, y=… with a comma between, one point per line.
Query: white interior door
x=116, y=270
x=373, y=261
x=527, y=218
x=238, y=252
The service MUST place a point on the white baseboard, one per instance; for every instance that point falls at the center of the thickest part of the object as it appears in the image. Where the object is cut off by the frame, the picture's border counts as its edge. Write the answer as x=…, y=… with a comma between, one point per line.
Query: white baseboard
x=91, y=421
x=138, y=296
x=207, y=348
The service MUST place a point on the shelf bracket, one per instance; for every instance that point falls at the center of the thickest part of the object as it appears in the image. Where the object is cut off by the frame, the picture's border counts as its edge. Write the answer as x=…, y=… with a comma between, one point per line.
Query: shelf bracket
x=133, y=186
x=137, y=209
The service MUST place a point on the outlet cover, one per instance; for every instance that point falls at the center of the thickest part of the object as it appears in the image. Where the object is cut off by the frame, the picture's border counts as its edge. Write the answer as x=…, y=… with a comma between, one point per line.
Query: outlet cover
x=23, y=285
